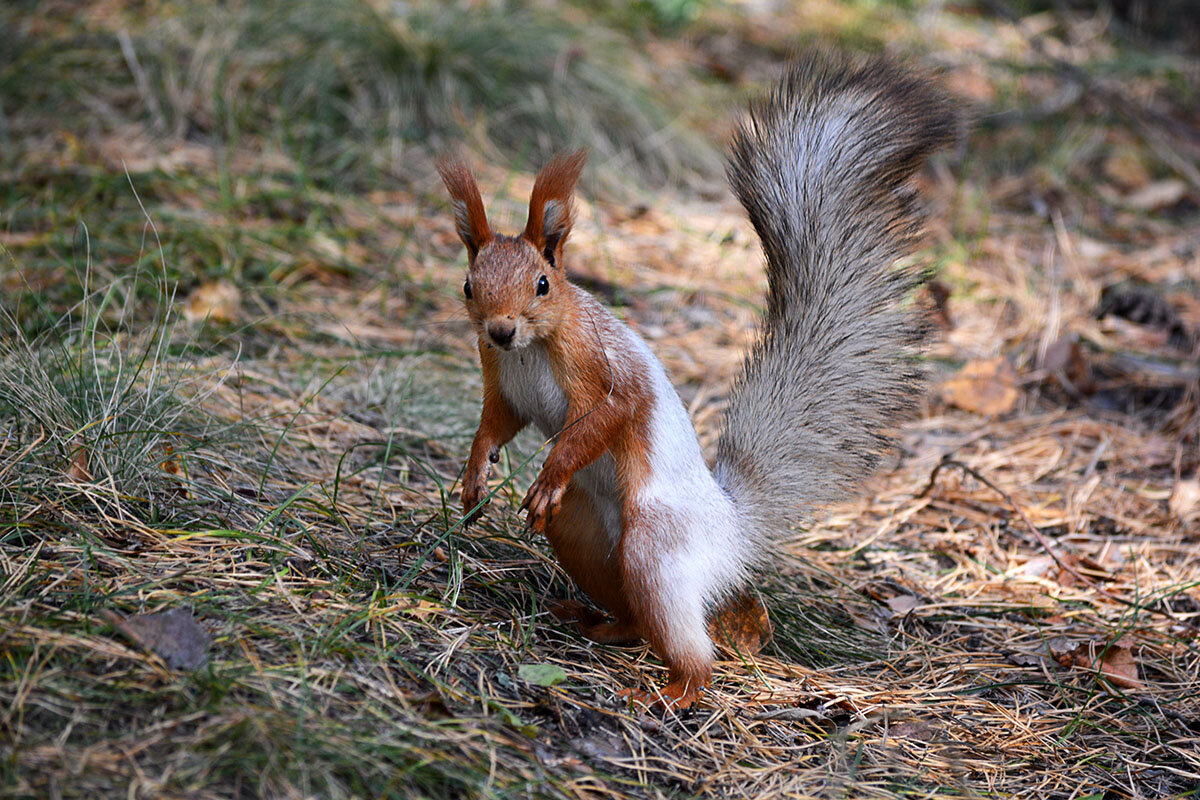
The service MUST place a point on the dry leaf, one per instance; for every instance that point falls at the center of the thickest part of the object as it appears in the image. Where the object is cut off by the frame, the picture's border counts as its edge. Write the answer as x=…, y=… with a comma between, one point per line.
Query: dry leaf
x=78, y=469
x=1116, y=664
x=601, y=747
x=1062, y=574
x=1025, y=659
x=218, y=301
x=1120, y=668
x=1038, y=566
x=1062, y=650
x=903, y=603
x=741, y=624
x=173, y=635
x=1114, y=661
x=171, y=463
x=987, y=387
x=1157, y=195
x=1067, y=358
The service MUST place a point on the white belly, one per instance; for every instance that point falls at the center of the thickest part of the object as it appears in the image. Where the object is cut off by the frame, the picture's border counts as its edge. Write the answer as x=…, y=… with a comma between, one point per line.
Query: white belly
x=528, y=384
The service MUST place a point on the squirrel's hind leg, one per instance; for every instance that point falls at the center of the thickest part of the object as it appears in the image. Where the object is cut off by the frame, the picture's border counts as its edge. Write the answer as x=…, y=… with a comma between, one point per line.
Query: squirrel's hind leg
x=595, y=625
x=587, y=551
x=665, y=582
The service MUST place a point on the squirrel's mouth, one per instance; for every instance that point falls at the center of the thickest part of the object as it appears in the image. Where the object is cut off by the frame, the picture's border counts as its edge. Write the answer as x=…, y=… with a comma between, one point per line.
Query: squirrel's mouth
x=507, y=335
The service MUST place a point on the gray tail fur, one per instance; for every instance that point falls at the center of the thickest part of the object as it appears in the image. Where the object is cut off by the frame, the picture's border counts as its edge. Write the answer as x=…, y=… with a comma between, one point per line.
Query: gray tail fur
x=822, y=165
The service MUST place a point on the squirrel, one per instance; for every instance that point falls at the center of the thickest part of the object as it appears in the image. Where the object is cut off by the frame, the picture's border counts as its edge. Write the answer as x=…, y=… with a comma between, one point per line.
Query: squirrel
x=625, y=497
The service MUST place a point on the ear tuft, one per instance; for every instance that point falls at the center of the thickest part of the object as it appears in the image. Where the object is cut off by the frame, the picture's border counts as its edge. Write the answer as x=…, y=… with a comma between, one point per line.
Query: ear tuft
x=469, y=218
x=551, y=212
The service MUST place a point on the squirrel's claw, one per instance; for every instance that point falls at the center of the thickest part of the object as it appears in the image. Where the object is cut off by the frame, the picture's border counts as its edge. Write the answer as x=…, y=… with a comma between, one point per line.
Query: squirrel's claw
x=474, y=492
x=542, y=503
x=471, y=517
x=675, y=696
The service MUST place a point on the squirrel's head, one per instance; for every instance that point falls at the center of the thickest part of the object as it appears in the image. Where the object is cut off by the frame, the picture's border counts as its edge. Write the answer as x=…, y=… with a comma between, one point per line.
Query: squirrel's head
x=514, y=284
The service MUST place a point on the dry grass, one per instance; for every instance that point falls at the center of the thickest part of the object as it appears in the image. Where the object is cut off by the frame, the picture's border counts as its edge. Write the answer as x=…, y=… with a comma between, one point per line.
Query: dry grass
x=365, y=645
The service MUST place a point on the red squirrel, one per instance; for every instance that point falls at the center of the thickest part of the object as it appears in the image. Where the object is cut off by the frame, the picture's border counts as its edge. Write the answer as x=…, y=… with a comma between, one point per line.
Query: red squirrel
x=634, y=514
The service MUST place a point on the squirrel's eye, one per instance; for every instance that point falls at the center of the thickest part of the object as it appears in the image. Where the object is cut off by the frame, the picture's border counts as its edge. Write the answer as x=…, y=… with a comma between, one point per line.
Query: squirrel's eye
x=467, y=289
x=543, y=285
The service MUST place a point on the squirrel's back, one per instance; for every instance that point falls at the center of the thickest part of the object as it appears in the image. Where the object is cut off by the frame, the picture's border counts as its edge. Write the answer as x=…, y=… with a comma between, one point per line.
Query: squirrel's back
x=822, y=165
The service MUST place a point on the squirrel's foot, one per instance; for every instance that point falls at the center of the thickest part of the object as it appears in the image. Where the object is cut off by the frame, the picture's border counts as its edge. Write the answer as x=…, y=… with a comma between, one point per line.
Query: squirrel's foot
x=575, y=611
x=675, y=696
x=611, y=633
x=593, y=624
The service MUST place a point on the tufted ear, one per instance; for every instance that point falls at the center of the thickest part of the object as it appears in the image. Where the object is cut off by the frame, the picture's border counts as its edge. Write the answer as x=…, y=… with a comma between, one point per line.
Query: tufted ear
x=469, y=217
x=550, y=211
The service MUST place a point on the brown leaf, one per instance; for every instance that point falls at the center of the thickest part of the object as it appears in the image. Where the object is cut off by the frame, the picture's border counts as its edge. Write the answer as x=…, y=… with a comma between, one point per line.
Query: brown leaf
x=78, y=469
x=218, y=301
x=171, y=463
x=1066, y=357
x=987, y=387
x=1119, y=667
x=601, y=747
x=1058, y=354
x=1025, y=659
x=1062, y=650
x=1063, y=574
x=1115, y=662
x=1038, y=566
x=917, y=730
x=172, y=466
x=173, y=635
x=741, y=625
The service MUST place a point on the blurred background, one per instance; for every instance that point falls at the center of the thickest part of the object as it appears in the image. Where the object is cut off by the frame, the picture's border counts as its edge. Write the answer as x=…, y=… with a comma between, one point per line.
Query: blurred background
x=235, y=378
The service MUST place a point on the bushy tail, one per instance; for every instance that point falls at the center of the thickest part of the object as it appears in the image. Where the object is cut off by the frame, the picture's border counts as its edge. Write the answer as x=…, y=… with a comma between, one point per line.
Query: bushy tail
x=822, y=165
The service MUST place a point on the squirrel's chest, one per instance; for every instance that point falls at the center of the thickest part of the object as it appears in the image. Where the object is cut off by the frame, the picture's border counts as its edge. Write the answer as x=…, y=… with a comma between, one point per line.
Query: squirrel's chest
x=528, y=384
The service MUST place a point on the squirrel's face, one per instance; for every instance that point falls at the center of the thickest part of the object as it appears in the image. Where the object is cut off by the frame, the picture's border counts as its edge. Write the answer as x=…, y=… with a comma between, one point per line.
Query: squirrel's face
x=512, y=293
x=515, y=284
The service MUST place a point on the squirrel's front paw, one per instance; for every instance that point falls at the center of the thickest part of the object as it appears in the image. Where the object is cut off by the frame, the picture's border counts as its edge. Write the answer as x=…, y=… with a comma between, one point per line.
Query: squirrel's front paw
x=542, y=502
x=474, y=492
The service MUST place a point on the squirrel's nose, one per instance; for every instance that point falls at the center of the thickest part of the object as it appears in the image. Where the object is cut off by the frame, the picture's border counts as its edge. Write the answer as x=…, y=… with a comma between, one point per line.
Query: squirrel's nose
x=501, y=332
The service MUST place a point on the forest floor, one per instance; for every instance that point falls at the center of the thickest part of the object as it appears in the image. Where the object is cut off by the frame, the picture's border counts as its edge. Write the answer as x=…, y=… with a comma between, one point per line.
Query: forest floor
x=237, y=388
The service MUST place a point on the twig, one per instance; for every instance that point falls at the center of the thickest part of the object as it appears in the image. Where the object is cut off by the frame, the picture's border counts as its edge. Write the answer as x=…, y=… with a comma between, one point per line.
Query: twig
x=977, y=475
x=974, y=473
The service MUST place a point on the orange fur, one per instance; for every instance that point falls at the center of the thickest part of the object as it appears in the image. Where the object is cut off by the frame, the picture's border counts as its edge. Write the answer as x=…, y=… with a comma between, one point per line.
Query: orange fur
x=470, y=218
x=609, y=410
x=497, y=426
x=636, y=516
x=554, y=184
x=603, y=415
x=583, y=551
